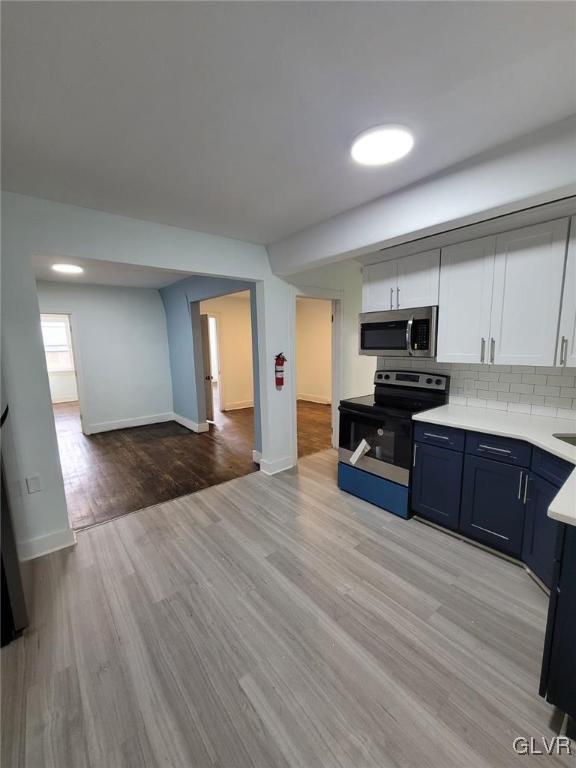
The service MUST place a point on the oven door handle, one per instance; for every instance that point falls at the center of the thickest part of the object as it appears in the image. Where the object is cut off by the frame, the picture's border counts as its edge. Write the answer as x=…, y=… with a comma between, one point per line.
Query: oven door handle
x=409, y=325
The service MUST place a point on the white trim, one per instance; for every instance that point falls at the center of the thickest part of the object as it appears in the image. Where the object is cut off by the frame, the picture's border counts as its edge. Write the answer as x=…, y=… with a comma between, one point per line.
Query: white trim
x=256, y=456
x=238, y=405
x=139, y=421
x=279, y=465
x=189, y=424
x=314, y=399
x=43, y=545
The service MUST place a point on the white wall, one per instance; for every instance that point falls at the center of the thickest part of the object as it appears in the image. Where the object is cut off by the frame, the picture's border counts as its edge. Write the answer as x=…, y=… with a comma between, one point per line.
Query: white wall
x=63, y=387
x=120, y=352
x=314, y=350
x=528, y=171
x=345, y=279
x=235, y=348
x=31, y=225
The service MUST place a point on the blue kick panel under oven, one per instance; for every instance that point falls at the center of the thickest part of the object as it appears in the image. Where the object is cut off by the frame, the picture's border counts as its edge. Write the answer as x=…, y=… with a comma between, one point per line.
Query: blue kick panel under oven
x=375, y=440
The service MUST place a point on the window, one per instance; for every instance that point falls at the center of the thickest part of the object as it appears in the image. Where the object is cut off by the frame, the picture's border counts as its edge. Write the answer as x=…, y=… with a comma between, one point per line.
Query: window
x=57, y=342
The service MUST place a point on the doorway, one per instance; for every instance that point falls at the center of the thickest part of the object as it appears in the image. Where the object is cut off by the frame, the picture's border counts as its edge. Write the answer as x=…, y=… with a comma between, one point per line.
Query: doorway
x=314, y=374
x=227, y=357
x=62, y=377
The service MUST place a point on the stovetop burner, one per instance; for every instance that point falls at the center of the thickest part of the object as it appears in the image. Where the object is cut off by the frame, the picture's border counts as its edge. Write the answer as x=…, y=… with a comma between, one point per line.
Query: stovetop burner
x=403, y=392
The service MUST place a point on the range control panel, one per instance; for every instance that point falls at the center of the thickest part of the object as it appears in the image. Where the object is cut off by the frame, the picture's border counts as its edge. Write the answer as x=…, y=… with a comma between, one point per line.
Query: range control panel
x=427, y=380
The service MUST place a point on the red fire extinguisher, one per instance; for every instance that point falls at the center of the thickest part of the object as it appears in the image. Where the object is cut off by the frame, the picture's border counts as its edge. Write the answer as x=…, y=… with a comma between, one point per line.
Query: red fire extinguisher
x=279, y=370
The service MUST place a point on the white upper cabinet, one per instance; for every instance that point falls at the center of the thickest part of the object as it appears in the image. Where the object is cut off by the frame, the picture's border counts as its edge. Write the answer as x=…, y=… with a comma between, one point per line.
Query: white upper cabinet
x=402, y=283
x=466, y=276
x=528, y=272
x=567, y=337
x=418, y=278
x=379, y=283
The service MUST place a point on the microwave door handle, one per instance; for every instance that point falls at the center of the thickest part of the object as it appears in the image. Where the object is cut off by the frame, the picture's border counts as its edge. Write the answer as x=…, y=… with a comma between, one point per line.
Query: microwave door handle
x=409, y=325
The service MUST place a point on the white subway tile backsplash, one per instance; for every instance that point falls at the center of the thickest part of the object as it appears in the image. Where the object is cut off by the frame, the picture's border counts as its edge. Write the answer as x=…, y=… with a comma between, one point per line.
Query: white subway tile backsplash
x=559, y=402
x=519, y=407
x=544, y=391
x=509, y=397
x=560, y=381
x=522, y=389
x=486, y=394
x=531, y=378
x=553, y=391
x=532, y=399
x=543, y=410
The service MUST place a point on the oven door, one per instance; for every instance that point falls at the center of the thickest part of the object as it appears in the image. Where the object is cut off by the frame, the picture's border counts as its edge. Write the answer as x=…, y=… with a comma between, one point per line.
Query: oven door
x=389, y=438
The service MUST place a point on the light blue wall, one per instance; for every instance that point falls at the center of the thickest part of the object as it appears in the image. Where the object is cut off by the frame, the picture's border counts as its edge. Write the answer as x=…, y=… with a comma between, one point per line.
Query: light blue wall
x=184, y=363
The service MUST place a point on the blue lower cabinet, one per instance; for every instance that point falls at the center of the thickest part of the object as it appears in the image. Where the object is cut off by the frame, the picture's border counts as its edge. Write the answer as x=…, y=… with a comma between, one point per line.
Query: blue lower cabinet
x=558, y=681
x=540, y=530
x=436, y=484
x=493, y=503
x=377, y=490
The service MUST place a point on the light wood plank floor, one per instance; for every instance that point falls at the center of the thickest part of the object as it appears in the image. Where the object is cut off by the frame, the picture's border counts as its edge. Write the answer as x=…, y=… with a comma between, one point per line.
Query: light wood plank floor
x=275, y=622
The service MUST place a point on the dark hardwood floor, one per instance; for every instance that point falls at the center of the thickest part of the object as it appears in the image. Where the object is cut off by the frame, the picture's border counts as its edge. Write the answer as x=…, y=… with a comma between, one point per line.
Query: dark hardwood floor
x=112, y=473
x=314, y=427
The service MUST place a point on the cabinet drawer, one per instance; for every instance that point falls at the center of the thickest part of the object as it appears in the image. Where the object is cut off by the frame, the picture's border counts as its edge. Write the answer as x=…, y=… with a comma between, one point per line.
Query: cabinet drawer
x=550, y=467
x=436, y=434
x=499, y=448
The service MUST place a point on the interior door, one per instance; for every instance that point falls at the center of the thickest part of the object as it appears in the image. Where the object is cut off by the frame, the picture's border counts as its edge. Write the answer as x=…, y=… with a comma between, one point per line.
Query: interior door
x=204, y=328
x=466, y=279
x=567, y=336
x=379, y=283
x=418, y=278
x=528, y=273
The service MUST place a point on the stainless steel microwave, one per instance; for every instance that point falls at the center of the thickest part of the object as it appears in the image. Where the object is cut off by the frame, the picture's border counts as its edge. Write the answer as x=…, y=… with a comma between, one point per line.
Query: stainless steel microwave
x=399, y=332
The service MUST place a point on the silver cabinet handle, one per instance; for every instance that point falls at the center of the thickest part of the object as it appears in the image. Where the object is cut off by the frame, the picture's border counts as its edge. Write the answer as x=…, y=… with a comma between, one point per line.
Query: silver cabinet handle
x=414, y=459
x=391, y=297
x=526, y=488
x=482, y=349
x=493, y=448
x=520, y=485
x=492, y=349
x=438, y=437
x=397, y=298
x=563, y=350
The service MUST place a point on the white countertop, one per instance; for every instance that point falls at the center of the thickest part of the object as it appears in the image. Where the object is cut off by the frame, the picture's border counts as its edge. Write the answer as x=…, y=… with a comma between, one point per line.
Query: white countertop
x=537, y=430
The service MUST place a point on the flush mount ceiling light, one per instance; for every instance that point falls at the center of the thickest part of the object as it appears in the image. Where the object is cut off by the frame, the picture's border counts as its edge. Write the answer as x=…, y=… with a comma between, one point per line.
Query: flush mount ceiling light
x=68, y=269
x=382, y=145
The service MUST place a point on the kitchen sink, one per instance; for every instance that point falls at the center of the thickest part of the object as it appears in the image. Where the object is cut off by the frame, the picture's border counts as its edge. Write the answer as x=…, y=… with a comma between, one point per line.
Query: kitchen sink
x=571, y=439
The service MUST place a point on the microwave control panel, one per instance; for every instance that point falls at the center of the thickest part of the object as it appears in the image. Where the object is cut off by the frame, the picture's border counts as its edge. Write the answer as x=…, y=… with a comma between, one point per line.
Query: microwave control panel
x=421, y=334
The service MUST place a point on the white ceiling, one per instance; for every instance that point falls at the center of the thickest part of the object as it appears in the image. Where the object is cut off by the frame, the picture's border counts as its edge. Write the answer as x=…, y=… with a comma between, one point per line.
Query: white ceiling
x=105, y=273
x=236, y=118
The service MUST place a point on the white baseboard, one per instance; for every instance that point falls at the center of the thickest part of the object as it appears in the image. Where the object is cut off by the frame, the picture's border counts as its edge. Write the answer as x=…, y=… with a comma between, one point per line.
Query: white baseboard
x=314, y=399
x=256, y=456
x=238, y=405
x=189, y=424
x=139, y=421
x=278, y=465
x=43, y=545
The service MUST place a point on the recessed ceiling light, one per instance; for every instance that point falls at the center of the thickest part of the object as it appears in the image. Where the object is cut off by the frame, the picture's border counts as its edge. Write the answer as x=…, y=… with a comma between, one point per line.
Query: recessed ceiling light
x=381, y=145
x=69, y=269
